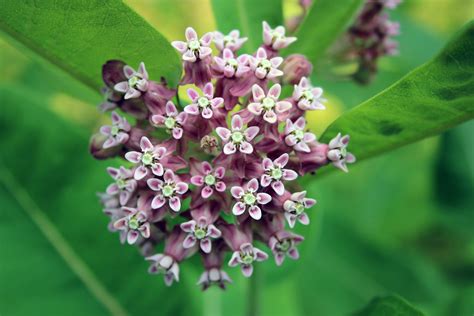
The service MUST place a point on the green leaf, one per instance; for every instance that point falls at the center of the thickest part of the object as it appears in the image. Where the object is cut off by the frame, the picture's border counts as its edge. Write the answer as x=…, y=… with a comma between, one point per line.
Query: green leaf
x=79, y=36
x=429, y=100
x=59, y=256
x=325, y=21
x=389, y=306
x=247, y=16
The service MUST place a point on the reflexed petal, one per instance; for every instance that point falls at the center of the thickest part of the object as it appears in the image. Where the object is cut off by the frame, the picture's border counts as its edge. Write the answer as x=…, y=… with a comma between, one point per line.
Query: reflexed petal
x=251, y=132
x=157, y=169
x=189, y=56
x=188, y=226
x=265, y=180
x=217, y=102
x=259, y=254
x=207, y=113
x=289, y=174
x=197, y=180
x=229, y=148
x=132, y=93
x=208, y=90
x=303, y=219
x=121, y=223
x=237, y=192
x=247, y=270
x=206, y=39
x=171, y=109
x=293, y=253
x=309, y=137
x=282, y=106
x=145, y=144
x=255, y=108
x=278, y=187
x=309, y=202
x=302, y=146
x=132, y=237
x=300, y=123
x=145, y=230
x=158, y=119
x=261, y=54
x=258, y=93
x=276, y=61
x=177, y=133
x=121, y=86
x=246, y=148
x=190, y=34
x=220, y=186
x=124, y=197
x=237, y=122
x=255, y=212
x=270, y=117
x=112, y=189
x=140, y=173
x=169, y=175
x=223, y=133
x=274, y=91
x=252, y=185
x=263, y=198
x=206, y=245
x=282, y=160
x=192, y=109
x=238, y=209
x=128, y=71
x=181, y=187
x=219, y=172
x=291, y=219
x=157, y=202
x=142, y=70
x=290, y=140
x=268, y=163
x=105, y=130
x=205, y=51
x=193, y=95
x=189, y=241
x=213, y=232
x=279, y=258
x=175, y=203
x=234, y=260
x=110, y=142
x=260, y=73
x=206, y=192
x=350, y=158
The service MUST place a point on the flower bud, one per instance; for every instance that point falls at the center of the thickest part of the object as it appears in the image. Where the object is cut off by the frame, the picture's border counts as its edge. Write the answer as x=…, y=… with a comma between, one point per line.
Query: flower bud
x=295, y=67
x=112, y=72
x=96, y=147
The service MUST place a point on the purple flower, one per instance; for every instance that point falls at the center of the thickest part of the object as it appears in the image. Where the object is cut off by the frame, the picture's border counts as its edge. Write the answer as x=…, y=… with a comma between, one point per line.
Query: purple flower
x=232, y=41
x=248, y=199
x=214, y=276
x=296, y=136
x=200, y=230
x=265, y=68
x=238, y=138
x=245, y=257
x=117, y=133
x=135, y=223
x=137, y=82
x=295, y=208
x=209, y=179
x=205, y=104
x=275, y=38
x=283, y=244
x=229, y=66
x=274, y=173
x=169, y=190
x=295, y=67
x=194, y=48
x=268, y=105
x=149, y=158
x=173, y=120
x=307, y=97
x=164, y=264
x=124, y=184
x=338, y=153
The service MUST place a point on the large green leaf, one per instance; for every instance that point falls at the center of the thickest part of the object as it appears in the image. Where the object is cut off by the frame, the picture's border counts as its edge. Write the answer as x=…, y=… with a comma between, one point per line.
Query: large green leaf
x=429, y=100
x=325, y=21
x=59, y=257
x=247, y=16
x=389, y=306
x=79, y=36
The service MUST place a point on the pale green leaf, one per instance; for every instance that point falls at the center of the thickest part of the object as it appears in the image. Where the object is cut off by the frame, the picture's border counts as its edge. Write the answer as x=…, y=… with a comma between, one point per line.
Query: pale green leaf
x=389, y=306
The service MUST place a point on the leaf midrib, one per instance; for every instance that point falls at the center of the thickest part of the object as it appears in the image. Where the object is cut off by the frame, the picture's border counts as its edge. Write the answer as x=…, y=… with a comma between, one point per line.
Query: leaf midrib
x=59, y=243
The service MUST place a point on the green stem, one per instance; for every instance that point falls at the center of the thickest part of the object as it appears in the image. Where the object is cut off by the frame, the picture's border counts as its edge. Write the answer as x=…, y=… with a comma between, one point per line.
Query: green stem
x=253, y=294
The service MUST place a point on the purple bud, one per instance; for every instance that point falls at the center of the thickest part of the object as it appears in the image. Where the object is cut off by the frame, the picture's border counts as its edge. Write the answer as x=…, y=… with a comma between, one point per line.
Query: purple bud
x=295, y=67
x=112, y=72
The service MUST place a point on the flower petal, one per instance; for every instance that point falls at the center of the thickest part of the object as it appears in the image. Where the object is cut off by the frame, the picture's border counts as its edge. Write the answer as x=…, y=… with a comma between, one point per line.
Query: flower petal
x=263, y=198
x=175, y=203
x=255, y=212
x=237, y=192
x=238, y=208
x=223, y=133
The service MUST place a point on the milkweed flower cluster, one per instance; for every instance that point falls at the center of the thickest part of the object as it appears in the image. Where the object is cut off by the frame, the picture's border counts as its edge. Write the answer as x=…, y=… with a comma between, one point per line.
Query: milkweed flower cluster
x=212, y=173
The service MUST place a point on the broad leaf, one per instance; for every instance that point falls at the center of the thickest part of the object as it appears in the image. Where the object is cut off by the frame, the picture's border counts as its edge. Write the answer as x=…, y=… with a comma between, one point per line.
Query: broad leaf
x=389, y=306
x=429, y=100
x=79, y=36
x=60, y=255
x=325, y=21
x=247, y=16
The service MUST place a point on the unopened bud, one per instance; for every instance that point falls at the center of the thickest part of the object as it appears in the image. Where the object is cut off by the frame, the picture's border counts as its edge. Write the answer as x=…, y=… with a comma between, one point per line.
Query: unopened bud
x=210, y=145
x=295, y=67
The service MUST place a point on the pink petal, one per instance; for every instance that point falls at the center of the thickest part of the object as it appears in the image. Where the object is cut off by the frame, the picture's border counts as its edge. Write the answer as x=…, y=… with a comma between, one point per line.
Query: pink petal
x=121, y=87
x=293, y=253
x=208, y=90
x=255, y=212
x=145, y=230
x=145, y=144
x=193, y=95
x=177, y=132
x=237, y=122
x=206, y=192
x=157, y=202
x=302, y=146
x=263, y=198
x=220, y=186
x=234, y=260
x=247, y=270
x=207, y=113
x=270, y=117
x=279, y=258
x=142, y=70
x=255, y=108
x=158, y=119
x=133, y=156
x=278, y=187
x=282, y=106
x=223, y=133
x=238, y=209
x=303, y=219
x=190, y=34
x=246, y=148
x=229, y=149
x=251, y=132
x=206, y=39
x=140, y=173
x=171, y=109
x=282, y=160
x=189, y=241
x=213, y=232
x=180, y=46
x=219, y=172
x=175, y=203
x=157, y=169
x=309, y=137
x=265, y=180
x=276, y=61
x=132, y=237
x=237, y=192
x=197, y=180
x=192, y=109
x=206, y=245
x=261, y=54
x=112, y=189
x=274, y=91
x=289, y=174
x=252, y=185
x=169, y=175
x=259, y=254
x=258, y=93
x=132, y=93
x=121, y=223
x=188, y=226
x=181, y=187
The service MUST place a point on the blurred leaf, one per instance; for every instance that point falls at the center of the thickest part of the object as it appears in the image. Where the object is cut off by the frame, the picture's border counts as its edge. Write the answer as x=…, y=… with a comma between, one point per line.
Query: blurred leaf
x=389, y=306
x=325, y=21
x=55, y=235
x=247, y=17
x=86, y=34
x=429, y=100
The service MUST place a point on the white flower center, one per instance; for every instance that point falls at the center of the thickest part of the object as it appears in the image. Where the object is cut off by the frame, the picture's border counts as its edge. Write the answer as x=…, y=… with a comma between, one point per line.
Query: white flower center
x=170, y=122
x=268, y=103
x=194, y=45
x=203, y=102
x=266, y=64
x=237, y=137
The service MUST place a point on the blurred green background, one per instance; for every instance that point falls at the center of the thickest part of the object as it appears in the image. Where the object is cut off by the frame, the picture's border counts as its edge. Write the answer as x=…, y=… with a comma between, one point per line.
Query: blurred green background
x=399, y=223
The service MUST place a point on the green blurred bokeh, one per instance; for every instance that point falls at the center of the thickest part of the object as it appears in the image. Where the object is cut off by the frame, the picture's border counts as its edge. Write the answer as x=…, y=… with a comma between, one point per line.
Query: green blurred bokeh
x=400, y=223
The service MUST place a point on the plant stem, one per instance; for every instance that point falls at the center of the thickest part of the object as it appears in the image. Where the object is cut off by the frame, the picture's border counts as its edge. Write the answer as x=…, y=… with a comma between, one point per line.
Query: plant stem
x=253, y=294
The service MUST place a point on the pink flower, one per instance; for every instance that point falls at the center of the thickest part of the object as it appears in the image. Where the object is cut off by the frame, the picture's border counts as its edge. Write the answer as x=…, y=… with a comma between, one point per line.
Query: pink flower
x=275, y=38
x=248, y=199
x=307, y=97
x=134, y=223
x=245, y=257
x=194, y=48
x=149, y=158
x=168, y=190
x=338, y=152
x=274, y=173
x=232, y=41
x=200, y=230
x=164, y=264
x=173, y=120
x=117, y=133
x=124, y=184
x=209, y=179
x=296, y=136
x=264, y=68
x=214, y=276
x=137, y=82
x=238, y=138
x=229, y=66
x=283, y=244
x=268, y=105
x=205, y=104
x=295, y=208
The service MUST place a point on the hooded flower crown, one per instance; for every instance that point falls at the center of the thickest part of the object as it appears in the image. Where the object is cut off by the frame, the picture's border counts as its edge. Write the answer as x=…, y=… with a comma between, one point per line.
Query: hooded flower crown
x=214, y=174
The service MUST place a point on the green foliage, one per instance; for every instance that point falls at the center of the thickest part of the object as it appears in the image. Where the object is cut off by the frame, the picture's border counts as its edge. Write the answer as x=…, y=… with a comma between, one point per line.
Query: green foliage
x=325, y=21
x=389, y=306
x=247, y=16
x=79, y=36
x=73, y=264
x=429, y=100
